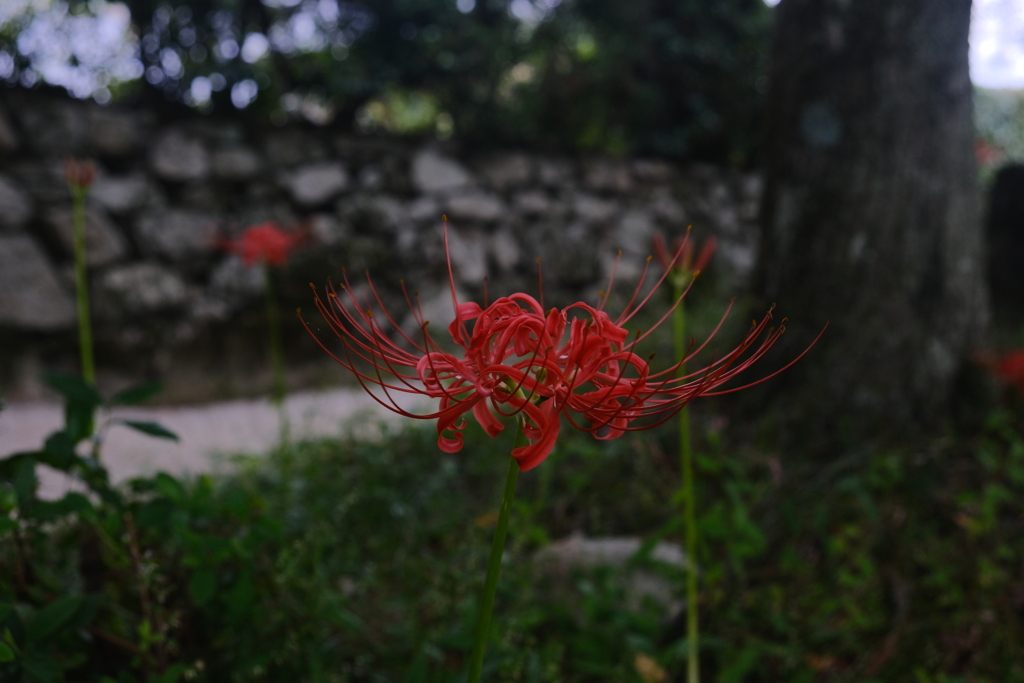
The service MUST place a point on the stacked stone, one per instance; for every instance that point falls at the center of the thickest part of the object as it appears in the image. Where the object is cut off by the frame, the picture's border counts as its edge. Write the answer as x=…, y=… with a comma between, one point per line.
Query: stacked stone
x=168, y=190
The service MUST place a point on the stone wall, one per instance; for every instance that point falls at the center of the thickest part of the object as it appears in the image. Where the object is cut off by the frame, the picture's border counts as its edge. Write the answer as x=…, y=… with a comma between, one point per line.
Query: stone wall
x=168, y=303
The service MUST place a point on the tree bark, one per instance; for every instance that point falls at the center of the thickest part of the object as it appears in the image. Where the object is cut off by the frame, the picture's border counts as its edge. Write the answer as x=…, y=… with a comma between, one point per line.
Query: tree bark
x=871, y=212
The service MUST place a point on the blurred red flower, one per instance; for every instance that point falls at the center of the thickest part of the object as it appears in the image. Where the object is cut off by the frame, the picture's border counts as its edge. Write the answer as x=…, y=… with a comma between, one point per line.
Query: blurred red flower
x=266, y=242
x=1010, y=369
x=987, y=154
x=684, y=268
x=518, y=359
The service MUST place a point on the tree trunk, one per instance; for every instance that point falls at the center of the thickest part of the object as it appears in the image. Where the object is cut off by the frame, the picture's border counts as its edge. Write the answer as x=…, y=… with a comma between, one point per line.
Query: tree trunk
x=871, y=212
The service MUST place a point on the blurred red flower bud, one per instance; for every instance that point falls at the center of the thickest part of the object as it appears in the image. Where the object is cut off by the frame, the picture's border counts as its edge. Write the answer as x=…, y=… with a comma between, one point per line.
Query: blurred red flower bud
x=79, y=174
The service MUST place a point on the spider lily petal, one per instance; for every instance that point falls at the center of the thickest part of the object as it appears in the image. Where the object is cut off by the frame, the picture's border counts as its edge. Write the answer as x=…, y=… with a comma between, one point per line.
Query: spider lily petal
x=517, y=359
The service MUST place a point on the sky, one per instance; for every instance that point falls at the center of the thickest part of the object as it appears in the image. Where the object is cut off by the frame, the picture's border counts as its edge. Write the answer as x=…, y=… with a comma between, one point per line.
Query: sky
x=997, y=43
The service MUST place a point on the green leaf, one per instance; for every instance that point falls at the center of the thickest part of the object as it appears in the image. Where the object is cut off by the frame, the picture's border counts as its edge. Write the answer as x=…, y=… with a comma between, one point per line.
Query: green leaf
x=71, y=503
x=133, y=396
x=171, y=675
x=12, y=629
x=58, y=452
x=79, y=420
x=82, y=401
x=41, y=667
x=151, y=428
x=7, y=525
x=51, y=618
x=156, y=514
x=72, y=387
x=26, y=483
x=241, y=596
x=169, y=486
x=10, y=465
x=202, y=586
x=6, y=653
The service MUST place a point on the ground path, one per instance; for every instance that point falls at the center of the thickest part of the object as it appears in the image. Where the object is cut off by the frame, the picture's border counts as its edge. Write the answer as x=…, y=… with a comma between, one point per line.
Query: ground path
x=208, y=433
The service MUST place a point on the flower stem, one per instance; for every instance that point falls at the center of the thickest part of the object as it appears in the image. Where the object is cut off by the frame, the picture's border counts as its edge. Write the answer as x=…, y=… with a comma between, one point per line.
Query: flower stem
x=483, y=625
x=82, y=284
x=276, y=352
x=689, y=515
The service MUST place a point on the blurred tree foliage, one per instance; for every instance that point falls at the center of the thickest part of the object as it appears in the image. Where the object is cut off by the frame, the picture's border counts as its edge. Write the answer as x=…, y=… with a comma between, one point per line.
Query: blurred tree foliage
x=999, y=119
x=678, y=78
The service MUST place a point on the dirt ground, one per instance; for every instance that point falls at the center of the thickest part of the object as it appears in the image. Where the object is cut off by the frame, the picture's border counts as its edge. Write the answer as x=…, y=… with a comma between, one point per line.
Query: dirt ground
x=208, y=434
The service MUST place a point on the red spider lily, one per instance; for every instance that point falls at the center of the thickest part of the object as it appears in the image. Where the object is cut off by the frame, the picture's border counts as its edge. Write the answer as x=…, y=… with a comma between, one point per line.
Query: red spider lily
x=518, y=359
x=79, y=174
x=684, y=269
x=266, y=242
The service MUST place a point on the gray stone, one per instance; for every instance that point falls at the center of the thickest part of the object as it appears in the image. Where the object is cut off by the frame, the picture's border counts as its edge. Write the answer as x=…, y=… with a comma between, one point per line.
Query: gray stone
x=15, y=204
x=726, y=218
x=751, y=187
x=144, y=288
x=433, y=173
x=592, y=209
x=389, y=211
x=209, y=309
x=652, y=170
x=374, y=213
x=178, y=157
x=257, y=214
x=436, y=309
x=43, y=180
x=236, y=163
x=204, y=196
x=328, y=229
x=114, y=132
x=555, y=173
x=505, y=249
x=635, y=232
x=232, y=280
x=531, y=203
x=469, y=256
x=103, y=243
x=292, y=147
x=424, y=209
x=177, y=233
x=476, y=207
x=122, y=194
x=610, y=176
x=54, y=128
x=31, y=297
x=569, y=253
x=8, y=139
x=579, y=553
x=372, y=177
x=667, y=208
x=316, y=184
x=507, y=171
x=735, y=261
x=406, y=243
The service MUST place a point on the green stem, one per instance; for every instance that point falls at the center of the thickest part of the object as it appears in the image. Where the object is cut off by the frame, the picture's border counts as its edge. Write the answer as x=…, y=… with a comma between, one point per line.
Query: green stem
x=689, y=507
x=276, y=351
x=483, y=625
x=82, y=284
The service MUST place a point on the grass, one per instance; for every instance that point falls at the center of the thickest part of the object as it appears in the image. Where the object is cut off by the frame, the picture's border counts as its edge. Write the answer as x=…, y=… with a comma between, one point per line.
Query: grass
x=348, y=560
